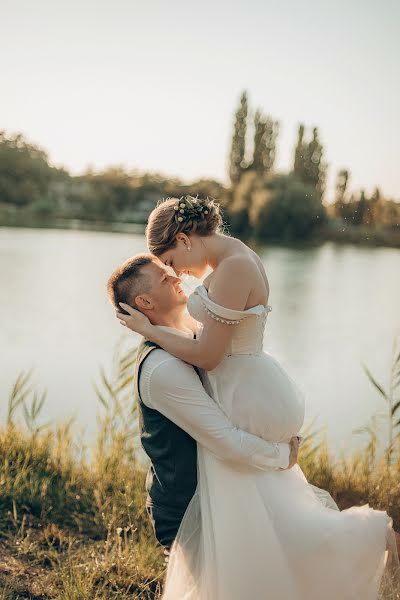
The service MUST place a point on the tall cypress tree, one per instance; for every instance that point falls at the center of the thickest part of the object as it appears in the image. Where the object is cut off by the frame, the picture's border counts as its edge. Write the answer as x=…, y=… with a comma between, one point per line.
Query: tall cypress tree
x=361, y=209
x=313, y=163
x=376, y=208
x=238, y=148
x=341, y=185
x=299, y=153
x=265, y=134
x=308, y=164
x=342, y=181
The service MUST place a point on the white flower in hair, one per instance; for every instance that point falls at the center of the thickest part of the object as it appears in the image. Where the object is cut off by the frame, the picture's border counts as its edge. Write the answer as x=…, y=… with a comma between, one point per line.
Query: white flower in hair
x=180, y=218
x=182, y=205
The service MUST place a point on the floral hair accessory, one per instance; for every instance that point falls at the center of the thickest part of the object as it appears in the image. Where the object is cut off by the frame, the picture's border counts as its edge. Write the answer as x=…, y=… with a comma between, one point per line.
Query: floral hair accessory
x=187, y=208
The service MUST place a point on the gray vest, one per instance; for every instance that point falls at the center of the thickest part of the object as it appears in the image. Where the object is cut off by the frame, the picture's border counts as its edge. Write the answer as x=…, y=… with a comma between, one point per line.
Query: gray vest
x=172, y=477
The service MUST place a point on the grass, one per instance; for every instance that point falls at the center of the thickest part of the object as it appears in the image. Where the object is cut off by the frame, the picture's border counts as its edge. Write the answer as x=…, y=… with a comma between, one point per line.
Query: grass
x=73, y=524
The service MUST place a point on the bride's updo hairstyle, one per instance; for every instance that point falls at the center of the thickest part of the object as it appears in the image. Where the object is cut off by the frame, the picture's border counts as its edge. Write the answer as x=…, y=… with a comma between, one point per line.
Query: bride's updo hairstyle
x=181, y=215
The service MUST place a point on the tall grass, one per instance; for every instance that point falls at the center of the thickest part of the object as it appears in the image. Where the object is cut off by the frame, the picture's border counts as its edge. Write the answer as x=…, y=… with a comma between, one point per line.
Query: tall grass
x=80, y=524
x=391, y=396
x=73, y=524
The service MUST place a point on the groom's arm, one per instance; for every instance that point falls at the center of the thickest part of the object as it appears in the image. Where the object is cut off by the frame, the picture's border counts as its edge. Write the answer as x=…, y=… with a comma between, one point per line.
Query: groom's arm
x=173, y=387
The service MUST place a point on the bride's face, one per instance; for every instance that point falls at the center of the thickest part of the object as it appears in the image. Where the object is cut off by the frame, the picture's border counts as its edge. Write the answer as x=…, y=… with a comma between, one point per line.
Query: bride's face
x=186, y=257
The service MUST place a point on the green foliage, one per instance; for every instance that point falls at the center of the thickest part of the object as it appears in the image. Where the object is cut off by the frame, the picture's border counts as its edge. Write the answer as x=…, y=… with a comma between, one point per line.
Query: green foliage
x=264, y=147
x=359, y=210
x=238, y=210
x=25, y=173
x=266, y=206
x=308, y=165
x=34, y=193
x=238, y=146
x=31, y=187
x=289, y=211
x=341, y=186
x=265, y=134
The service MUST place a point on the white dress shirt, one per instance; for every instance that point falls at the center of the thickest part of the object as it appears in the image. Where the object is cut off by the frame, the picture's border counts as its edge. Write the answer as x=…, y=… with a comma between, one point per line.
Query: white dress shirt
x=173, y=388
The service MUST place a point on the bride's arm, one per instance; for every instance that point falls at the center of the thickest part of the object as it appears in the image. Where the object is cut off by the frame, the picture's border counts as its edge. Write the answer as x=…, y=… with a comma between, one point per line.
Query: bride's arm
x=205, y=352
x=191, y=324
x=230, y=288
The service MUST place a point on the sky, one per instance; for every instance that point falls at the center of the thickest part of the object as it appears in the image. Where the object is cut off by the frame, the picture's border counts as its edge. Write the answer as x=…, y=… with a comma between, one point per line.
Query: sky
x=153, y=85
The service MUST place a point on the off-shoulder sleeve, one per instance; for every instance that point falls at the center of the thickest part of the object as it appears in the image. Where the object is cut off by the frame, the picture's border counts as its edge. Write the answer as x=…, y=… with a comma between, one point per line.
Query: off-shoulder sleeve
x=229, y=316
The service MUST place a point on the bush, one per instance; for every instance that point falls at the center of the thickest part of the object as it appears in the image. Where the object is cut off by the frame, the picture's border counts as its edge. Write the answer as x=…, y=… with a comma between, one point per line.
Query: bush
x=289, y=210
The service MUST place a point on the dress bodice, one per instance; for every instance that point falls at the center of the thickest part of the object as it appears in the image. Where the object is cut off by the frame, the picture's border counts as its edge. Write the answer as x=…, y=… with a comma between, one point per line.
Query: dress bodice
x=249, y=324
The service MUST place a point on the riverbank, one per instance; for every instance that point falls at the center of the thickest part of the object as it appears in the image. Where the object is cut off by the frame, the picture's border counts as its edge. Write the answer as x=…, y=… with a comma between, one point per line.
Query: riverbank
x=76, y=224
x=360, y=235
x=74, y=527
x=72, y=530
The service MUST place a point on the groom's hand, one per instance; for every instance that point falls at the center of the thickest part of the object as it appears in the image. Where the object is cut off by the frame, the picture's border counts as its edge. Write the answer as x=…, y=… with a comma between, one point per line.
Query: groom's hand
x=294, y=451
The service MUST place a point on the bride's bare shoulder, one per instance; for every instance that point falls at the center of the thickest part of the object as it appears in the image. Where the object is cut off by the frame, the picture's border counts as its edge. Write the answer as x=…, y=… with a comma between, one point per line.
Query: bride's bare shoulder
x=241, y=273
x=240, y=265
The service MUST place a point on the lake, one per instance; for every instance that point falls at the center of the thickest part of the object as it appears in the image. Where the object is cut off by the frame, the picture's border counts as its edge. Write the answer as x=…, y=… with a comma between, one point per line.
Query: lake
x=334, y=307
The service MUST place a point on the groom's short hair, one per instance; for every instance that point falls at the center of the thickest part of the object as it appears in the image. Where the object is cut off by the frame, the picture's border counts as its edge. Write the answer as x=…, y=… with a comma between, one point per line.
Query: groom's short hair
x=128, y=281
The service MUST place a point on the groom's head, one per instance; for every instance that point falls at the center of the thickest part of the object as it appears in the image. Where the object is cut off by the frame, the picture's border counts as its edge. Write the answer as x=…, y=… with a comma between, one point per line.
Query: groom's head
x=146, y=284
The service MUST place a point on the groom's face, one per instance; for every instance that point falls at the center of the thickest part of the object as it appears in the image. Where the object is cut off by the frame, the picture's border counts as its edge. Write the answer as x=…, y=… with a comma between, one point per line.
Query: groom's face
x=164, y=292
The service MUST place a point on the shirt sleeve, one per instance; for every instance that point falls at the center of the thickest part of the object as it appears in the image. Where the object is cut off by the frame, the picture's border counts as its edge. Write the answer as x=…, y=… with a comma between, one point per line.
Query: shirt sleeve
x=173, y=387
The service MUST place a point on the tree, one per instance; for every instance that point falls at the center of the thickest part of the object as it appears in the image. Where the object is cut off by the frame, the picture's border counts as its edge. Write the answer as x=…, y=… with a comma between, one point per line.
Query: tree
x=340, y=195
x=25, y=173
x=308, y=164
x=361, y=206
x=238, y=147
x=291, y=211
x=299, y=153
x=239, y=207
x=341, y=185
x=374, y=215
x=265, y=134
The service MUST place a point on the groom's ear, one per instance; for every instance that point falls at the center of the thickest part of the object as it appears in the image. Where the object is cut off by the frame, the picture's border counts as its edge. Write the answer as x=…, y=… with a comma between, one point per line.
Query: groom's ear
x=144, y=302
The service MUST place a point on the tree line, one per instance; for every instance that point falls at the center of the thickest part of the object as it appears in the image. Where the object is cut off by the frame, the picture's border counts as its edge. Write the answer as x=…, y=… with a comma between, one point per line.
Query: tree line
x=259, y=202
x=29, y=184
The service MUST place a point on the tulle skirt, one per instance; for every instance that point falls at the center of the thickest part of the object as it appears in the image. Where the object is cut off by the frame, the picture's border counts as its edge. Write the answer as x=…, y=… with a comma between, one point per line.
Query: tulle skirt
x=250, y=534
x=272, y=535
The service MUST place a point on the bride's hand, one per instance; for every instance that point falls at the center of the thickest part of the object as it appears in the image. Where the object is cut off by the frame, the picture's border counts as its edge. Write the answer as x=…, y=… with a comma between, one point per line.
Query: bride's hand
x=294, y=450
x=135, y=320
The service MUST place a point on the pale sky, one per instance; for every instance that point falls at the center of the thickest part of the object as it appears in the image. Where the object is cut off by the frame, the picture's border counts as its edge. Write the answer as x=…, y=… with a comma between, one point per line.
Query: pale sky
x=153, y=84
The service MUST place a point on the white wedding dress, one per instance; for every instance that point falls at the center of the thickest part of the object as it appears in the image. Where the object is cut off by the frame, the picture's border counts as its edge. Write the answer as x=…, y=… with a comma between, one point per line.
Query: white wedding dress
x=250, y=534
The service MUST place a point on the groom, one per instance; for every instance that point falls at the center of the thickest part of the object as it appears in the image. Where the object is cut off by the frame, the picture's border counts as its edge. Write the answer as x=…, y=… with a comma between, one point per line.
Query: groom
x=175, y=412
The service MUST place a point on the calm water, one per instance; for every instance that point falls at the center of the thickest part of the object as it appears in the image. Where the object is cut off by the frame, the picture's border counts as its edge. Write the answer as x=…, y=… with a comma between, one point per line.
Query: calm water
x=333, y=308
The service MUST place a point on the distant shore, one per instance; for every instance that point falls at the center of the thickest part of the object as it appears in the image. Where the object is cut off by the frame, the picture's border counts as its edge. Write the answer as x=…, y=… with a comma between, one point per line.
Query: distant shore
x=360, y=235
x=79, y=224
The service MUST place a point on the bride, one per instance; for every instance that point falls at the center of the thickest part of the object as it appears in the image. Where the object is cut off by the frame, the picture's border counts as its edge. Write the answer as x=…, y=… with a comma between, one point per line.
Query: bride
x=250, y=534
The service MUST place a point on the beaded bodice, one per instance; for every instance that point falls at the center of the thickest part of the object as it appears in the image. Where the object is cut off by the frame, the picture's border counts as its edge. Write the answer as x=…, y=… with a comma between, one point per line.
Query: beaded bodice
x=249, y=324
